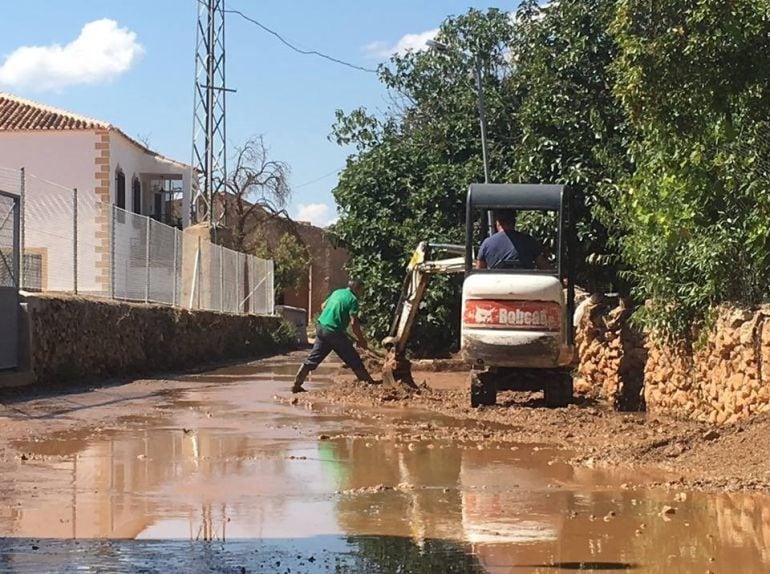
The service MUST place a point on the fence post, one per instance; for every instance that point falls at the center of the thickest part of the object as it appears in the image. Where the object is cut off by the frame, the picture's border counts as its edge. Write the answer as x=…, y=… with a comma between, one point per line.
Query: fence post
x=22, y=213
x=253, y=286
x=221, y=278
x=75, y=240
x=16, y=262
x=147, y=263
x=176, y=270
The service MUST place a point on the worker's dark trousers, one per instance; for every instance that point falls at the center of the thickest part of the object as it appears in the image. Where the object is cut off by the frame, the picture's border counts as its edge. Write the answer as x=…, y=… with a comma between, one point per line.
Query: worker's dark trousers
x=327, y=341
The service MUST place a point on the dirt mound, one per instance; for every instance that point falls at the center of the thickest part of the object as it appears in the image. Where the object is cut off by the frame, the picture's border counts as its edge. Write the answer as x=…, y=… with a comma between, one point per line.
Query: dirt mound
x=733, y=457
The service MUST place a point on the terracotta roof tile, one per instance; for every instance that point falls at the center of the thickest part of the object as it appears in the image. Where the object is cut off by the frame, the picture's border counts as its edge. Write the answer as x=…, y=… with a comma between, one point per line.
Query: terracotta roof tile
x=19, y=114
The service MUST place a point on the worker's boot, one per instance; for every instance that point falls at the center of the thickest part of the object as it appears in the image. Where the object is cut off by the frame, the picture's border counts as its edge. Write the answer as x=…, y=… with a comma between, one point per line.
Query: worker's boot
x=364, y=376
x=302, y=374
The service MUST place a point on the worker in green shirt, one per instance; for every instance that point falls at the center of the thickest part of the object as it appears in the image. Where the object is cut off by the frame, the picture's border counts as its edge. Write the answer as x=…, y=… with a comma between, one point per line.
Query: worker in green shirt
x=337, y=312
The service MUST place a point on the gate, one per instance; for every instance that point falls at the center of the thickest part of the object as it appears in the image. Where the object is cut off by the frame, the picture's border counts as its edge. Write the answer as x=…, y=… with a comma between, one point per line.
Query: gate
x=9, y=280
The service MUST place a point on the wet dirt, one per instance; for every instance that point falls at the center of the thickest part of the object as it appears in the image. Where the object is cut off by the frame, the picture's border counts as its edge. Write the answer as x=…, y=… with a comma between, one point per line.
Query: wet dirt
x=694, y=455
x=228, y=472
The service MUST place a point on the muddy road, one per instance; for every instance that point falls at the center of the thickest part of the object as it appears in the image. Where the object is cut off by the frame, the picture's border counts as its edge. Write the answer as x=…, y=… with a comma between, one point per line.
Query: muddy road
x=225, y=471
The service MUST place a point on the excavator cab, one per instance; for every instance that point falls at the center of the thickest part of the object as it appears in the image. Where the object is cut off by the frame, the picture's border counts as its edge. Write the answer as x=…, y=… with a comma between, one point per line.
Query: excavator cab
x=517, y=327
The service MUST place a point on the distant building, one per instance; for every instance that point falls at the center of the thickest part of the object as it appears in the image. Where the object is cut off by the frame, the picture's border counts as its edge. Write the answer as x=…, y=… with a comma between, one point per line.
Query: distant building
x=107, y=167
x=325, y=273
x=327, y=269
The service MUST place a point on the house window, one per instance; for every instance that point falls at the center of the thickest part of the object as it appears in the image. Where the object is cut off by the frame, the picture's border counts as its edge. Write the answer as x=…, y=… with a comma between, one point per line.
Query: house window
x=34, y=265
x=136, y=190
x=120, y=189
x=159, y=206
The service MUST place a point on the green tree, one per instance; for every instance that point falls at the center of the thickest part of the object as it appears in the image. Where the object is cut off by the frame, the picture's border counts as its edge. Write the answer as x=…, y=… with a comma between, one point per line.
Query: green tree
x=694, y=79
x=291, y=260
x=408, y=179
x=551, y=118
x=573, y=131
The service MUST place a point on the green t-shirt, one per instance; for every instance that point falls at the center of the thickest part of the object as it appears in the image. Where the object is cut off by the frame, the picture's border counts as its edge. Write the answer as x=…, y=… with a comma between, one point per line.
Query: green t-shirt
x=339, y=307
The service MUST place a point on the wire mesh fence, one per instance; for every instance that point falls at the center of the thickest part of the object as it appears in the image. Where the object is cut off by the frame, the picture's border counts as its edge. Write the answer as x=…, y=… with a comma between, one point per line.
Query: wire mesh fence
x=231, y=282
x=73, y=242
x=164, y=263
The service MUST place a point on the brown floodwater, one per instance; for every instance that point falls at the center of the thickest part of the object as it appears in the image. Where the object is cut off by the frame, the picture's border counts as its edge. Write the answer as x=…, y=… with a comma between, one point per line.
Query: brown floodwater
x=220, y=476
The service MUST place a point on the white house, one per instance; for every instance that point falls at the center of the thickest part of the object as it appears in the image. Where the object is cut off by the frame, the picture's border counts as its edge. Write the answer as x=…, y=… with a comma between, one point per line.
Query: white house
x=107, y=167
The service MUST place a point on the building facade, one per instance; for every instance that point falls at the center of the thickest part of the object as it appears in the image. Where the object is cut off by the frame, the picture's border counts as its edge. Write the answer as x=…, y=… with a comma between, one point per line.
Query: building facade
x=111, y=171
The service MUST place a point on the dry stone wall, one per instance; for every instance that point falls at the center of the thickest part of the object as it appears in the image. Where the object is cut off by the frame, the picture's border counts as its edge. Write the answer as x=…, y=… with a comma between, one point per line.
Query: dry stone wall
x=611, y=353
x=722, y=378
x=74, y=338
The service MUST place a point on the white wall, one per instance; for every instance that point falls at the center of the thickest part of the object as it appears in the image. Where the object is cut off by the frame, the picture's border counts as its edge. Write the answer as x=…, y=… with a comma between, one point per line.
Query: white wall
x=67, y=159
x=135, y=162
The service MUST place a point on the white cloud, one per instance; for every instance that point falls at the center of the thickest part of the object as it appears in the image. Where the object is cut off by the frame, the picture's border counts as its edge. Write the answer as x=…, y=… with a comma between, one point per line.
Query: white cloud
x=103, y=51
x=409, y=42
x=319, y=214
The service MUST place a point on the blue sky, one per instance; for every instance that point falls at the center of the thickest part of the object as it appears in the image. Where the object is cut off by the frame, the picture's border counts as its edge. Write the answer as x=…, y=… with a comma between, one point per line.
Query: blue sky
x=139, y=71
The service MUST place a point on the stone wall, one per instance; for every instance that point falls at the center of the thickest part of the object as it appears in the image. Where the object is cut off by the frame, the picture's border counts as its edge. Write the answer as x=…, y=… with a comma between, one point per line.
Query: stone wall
x=611, y=353
x=74, y=338
x=722, y=378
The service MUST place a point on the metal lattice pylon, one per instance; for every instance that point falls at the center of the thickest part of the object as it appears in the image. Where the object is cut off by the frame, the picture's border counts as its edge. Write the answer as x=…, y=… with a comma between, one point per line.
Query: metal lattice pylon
x=209, y=136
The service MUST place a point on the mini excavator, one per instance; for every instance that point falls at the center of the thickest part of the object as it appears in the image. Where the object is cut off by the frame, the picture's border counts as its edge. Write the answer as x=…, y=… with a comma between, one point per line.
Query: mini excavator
x=517, y=328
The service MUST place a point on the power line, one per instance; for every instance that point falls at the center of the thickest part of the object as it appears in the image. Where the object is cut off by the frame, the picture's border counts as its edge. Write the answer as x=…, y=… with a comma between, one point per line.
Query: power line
x=316, y=180
x=300, y=50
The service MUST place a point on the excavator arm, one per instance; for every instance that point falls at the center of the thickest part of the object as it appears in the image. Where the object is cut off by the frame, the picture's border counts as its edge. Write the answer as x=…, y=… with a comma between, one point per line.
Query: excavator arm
x=418, y=273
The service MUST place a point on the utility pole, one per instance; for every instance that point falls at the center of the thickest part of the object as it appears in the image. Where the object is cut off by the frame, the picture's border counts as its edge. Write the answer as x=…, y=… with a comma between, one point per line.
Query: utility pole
x=478, y=73
x=209, y=121
x=483, y=126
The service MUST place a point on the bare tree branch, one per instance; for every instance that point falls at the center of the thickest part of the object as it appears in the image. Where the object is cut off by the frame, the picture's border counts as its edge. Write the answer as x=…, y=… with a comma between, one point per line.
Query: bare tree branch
x=255, y=183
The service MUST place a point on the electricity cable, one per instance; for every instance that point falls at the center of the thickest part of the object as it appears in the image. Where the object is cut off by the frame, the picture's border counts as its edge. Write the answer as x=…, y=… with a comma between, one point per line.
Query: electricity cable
x=319, y=178
x=297, y=49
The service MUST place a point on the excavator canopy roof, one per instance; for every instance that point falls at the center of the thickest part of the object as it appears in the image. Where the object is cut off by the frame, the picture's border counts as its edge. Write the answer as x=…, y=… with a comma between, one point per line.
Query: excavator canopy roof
x=515, y=196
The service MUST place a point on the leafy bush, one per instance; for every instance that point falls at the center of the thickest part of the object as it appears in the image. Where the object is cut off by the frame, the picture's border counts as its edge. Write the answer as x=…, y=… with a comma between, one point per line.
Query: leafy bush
x=694, y=78
x=291, y=260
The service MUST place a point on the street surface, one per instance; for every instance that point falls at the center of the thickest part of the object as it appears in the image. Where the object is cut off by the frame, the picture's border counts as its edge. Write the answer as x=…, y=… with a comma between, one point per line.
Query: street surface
x=219, y=472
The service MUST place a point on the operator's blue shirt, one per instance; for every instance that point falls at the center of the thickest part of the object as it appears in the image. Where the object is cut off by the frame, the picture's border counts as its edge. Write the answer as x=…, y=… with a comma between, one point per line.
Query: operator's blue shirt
x=509, y=250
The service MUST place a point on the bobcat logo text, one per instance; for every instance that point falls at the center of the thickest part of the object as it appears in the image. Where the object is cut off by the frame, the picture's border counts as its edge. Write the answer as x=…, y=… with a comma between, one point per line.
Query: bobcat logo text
x=526, y=315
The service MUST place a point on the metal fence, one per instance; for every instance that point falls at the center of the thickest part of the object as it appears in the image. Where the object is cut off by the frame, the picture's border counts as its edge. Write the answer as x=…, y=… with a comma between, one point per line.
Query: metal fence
x=230, y=281
x=72, y=242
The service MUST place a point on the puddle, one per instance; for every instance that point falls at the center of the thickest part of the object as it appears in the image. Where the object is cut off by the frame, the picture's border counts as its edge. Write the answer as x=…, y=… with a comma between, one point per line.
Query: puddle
x=226, y=478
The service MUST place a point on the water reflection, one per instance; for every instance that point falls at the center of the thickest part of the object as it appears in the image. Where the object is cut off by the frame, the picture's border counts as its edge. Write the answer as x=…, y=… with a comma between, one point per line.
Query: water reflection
x=211, y=467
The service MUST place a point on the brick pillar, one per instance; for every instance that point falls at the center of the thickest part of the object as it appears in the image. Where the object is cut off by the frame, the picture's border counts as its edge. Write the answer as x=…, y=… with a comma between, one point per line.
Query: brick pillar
x=103, y=213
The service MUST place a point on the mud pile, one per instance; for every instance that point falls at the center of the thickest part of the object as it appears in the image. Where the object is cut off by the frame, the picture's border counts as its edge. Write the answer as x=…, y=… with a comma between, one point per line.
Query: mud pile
x=733, y=458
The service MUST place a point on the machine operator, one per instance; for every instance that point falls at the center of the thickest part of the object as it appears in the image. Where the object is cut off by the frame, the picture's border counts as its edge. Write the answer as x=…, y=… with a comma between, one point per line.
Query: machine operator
x=510, y=249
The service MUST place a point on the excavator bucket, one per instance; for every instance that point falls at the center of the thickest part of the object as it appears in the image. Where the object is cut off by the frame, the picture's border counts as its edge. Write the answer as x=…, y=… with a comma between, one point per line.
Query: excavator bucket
x=397, y=370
